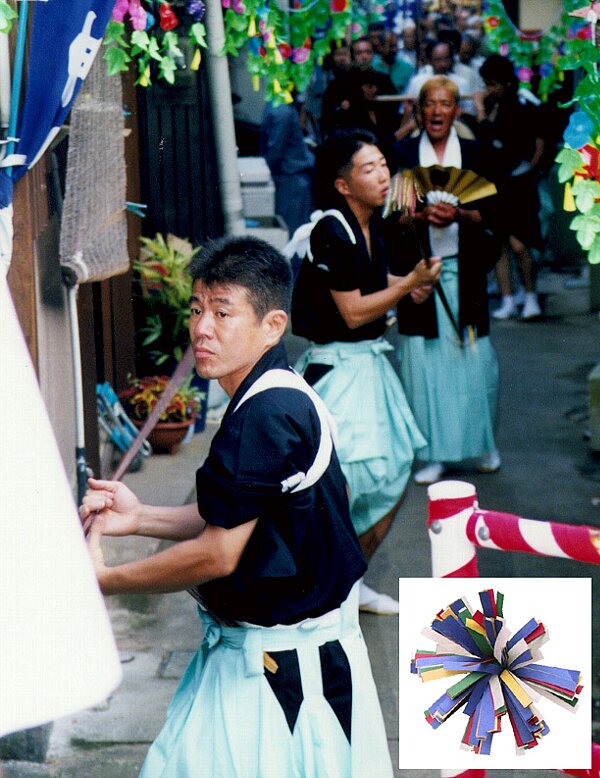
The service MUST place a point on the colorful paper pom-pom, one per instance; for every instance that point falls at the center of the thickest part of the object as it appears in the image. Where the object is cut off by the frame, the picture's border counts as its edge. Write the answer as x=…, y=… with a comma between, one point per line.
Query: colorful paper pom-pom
x=168, y=18
x=584, y=34
x=137, y=15
x=120, y=9
x=300, y=55
x=196, y=9
x=501, y=673
x=525, y=74
x=254, y=45
x=579, y=129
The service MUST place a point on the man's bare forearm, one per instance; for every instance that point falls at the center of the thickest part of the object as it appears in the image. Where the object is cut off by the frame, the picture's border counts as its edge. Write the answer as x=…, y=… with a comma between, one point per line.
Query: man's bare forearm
x=182, y=522
x=214, y=554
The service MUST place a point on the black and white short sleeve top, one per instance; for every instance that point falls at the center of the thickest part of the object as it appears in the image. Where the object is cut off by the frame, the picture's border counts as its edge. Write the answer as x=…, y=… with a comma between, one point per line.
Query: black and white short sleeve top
x=303, y=556
x=337, y=264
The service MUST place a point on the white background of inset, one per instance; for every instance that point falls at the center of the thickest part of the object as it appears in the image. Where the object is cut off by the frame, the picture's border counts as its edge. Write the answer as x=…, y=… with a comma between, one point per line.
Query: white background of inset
x=563, y=605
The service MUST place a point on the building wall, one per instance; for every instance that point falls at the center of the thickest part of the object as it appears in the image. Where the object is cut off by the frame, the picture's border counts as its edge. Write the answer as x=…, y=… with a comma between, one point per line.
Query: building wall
x=40, y=299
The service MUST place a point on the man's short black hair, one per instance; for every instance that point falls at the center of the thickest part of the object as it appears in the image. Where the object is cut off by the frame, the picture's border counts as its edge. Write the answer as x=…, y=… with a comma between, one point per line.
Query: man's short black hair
x=248, y=262
x=334, y=159
x=452, y=38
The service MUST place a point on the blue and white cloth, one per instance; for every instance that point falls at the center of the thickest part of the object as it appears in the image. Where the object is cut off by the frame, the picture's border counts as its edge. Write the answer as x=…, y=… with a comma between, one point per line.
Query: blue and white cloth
x=64, y=40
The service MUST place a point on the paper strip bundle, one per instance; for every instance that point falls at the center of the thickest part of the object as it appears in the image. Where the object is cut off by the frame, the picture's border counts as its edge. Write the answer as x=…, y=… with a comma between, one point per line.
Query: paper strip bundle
x=500, y=674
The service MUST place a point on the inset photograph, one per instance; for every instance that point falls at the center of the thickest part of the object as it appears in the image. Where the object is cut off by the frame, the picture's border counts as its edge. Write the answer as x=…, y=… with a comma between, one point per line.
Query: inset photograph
x=495, y=673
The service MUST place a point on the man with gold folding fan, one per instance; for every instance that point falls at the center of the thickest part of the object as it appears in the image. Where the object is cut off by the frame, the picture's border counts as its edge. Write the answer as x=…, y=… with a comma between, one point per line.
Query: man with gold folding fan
x=440, y=205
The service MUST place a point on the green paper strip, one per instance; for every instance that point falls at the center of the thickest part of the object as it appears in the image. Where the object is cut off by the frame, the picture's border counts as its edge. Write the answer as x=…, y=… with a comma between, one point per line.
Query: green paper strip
x=463, y=684
x=499, y=604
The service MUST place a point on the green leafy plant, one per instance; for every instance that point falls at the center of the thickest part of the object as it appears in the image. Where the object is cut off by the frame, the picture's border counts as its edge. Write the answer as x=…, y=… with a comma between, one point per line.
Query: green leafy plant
x=164, y=288
x=142, y=394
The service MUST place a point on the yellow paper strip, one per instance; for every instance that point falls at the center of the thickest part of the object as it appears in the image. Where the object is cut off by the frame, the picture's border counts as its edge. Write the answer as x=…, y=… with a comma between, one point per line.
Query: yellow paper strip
x=433, y=675
x=516, y=688
x=475, y=627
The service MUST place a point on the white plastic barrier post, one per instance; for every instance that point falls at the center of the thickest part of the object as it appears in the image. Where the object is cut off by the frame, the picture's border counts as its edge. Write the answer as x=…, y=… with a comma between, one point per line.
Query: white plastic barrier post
x=451, y=506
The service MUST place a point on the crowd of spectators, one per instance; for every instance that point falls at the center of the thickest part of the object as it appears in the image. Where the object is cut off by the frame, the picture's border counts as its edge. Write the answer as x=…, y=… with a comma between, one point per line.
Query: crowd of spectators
x=373, y=83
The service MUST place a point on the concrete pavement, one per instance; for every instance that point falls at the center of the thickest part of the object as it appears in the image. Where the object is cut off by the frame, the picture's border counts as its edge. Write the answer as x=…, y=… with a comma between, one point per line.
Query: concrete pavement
x=547, y=473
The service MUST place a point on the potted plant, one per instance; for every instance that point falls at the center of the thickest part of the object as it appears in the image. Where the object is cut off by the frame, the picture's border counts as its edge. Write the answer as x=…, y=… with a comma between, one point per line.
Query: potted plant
x=163, y=288
x=141, y=396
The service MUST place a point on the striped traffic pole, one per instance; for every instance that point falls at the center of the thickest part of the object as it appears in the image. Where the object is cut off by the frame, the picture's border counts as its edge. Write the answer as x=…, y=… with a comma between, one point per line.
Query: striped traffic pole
x=457, y=526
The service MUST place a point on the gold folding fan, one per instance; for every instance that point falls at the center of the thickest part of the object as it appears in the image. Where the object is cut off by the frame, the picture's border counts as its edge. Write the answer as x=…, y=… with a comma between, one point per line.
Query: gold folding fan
x=408, y=186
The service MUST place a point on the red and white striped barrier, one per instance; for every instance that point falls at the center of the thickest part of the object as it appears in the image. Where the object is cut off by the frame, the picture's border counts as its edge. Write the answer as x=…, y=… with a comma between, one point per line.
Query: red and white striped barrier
x=457, y=527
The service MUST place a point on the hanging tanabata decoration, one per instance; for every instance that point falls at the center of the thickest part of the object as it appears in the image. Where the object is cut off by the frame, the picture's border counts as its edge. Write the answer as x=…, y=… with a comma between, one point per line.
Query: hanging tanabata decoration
x=532, y=53
x=282, y=44
x=149, y=32
x=501, y=674
x=579, y=159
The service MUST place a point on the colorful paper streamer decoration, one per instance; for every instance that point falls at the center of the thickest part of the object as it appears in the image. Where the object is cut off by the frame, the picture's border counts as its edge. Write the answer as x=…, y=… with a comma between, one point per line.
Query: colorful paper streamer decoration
x=501, y=674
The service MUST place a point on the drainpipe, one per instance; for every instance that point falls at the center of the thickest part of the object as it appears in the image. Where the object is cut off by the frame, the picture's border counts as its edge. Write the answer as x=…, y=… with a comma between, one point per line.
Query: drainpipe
x=222, y=121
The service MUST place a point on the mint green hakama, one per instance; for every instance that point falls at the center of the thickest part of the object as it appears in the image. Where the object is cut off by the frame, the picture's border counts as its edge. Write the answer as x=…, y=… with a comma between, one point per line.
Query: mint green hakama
x=376, y=433
x=451, y=387
x=226, y=722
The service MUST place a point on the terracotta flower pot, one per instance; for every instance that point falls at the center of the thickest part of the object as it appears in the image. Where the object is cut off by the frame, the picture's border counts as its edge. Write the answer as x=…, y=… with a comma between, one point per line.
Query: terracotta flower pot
x=166, y=436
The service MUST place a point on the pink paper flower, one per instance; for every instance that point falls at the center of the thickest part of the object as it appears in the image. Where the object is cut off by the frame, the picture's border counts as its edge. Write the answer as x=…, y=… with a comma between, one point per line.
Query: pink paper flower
x=503, y=50
x=300, y=55
x=120, y=9
x=525, y=74
x=137, y=15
